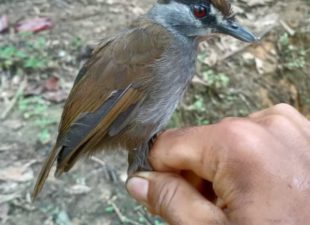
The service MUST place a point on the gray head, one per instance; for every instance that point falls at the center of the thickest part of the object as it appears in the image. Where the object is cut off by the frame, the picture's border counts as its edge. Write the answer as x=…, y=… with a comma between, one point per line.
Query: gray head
x=199, y=18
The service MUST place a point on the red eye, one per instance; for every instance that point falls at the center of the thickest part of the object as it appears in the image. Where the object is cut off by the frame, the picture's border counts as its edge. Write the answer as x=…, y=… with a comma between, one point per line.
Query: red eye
x=200, y=11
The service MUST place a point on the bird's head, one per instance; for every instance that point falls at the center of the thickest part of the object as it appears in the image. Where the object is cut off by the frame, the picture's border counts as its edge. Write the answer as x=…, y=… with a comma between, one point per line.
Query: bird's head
x=200, y=18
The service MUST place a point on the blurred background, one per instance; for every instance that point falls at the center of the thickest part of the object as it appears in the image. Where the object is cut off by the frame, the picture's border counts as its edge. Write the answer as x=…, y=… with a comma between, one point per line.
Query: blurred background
x=42, y=46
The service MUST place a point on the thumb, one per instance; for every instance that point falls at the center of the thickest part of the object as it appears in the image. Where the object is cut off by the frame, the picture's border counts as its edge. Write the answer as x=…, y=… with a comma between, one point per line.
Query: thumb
x=171, y=197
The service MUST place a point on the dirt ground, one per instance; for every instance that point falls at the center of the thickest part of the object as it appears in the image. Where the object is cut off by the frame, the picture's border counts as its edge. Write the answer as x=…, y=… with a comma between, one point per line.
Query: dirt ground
x=233, y=79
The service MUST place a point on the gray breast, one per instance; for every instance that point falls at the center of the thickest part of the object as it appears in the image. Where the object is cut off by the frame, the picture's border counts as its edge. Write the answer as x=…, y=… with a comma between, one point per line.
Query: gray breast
x=172, y=74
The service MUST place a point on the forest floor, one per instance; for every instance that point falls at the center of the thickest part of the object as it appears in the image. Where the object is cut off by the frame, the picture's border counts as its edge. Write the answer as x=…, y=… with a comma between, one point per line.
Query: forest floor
x=37, y=72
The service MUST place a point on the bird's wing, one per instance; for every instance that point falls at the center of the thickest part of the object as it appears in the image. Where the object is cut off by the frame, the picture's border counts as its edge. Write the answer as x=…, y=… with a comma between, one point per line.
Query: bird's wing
x=108, y=87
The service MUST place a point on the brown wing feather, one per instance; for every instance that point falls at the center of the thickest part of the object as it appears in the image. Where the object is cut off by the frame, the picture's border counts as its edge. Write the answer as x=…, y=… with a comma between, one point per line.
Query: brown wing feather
x=114, y=65
x=92, y=140
x=127, y=57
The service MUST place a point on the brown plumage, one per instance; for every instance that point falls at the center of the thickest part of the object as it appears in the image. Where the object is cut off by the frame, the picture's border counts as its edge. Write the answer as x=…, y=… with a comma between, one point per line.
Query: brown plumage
x=143, y=45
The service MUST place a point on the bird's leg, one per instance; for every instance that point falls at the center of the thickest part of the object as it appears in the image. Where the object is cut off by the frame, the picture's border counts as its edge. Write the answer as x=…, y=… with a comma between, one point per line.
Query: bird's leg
x=138, y=158
x=152, y=140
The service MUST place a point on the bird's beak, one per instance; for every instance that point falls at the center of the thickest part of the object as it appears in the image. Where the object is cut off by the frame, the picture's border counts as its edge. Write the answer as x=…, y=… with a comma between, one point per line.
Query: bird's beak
x=234, y=29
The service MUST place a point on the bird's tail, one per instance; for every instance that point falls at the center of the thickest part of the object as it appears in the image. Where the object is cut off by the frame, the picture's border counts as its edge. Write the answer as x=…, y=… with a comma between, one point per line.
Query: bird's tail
x=45, y=171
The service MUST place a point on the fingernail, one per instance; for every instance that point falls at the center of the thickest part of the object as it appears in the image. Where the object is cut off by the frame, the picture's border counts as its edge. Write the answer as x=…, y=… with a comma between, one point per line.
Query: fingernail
x=138, y=188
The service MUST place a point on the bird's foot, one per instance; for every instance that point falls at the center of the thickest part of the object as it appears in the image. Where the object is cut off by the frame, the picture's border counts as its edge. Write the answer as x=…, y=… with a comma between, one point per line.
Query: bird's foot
x=138, y=159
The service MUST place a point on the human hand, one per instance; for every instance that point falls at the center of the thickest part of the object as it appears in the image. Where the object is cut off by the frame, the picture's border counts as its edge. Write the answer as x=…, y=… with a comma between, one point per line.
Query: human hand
x=254, y=170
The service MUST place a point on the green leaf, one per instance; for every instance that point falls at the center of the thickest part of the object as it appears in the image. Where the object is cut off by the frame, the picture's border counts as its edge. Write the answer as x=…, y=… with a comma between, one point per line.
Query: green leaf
x=157, y=222
x=40, y=43
x=8, y=52
x=199, y=105
x=63, y=218
x=109, y=209
x=44, y=136
x=34, y=63
x=142, y=219
x=21, y=54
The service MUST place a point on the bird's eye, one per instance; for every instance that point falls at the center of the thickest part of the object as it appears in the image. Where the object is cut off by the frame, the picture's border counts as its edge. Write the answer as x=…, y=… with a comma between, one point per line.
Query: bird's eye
x=199, y=11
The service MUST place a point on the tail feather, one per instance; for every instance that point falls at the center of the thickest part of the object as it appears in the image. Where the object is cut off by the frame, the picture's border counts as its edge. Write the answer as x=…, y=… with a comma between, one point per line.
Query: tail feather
x=47, y=166
x=86, y=133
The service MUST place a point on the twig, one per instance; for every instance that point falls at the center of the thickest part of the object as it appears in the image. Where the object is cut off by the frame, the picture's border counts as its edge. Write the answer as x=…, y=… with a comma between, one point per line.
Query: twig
x=237, y=51
x=11, y=105
x=245, y=46
x=110, y=173
x=287, y=28
x=243, y=98
x=121, y=217
x=307, y=50
x=145, y=219
x=2, y=82
x=198, y=80
x=27, y=165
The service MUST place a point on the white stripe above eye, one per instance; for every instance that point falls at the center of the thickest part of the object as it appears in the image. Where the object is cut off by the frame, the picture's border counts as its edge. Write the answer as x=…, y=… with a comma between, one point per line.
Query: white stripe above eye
x=217, y=14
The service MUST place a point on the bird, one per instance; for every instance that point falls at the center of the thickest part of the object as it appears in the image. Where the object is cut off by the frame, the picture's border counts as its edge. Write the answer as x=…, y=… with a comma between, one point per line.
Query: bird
x=127, y=91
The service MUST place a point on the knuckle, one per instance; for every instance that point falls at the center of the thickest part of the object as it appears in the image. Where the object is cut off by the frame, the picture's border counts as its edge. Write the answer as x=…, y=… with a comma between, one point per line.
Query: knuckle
x=241, y=134
x=277, y=121
x=172, y=135
x=285, y=110
x=229, y=119
x=255, y=114
x=283, y=107
x=236, y=129
x=175, y=138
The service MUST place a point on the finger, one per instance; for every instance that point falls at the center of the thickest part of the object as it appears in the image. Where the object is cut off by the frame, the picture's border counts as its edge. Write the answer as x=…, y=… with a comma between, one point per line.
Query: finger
x=186, y=149
x=202, y=149
x=284, y=110
x=172, y=198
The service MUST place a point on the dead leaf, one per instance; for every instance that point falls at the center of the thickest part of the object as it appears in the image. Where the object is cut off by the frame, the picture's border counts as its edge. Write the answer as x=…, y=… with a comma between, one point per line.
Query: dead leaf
x=4, y=23
x=211, y=59
x=9, y=187
x=265, y=100
x=198, y=80
x=17, y=173
x=247, y=56
x=137, y=10
x=265, y=57
x=265, y=50
x=52, y=84
x=259, y=65
x=34, y=25
x=53, y=91
x=14, y=124
x=4, y=211
x=78, y=189
x=8, y=147
x=8, y=198
x=57, y=97
x=33, y=89
x=265, y=67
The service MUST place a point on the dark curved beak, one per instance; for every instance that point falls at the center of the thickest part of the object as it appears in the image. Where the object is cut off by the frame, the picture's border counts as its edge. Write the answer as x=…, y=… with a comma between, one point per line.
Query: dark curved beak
x=234, y=29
